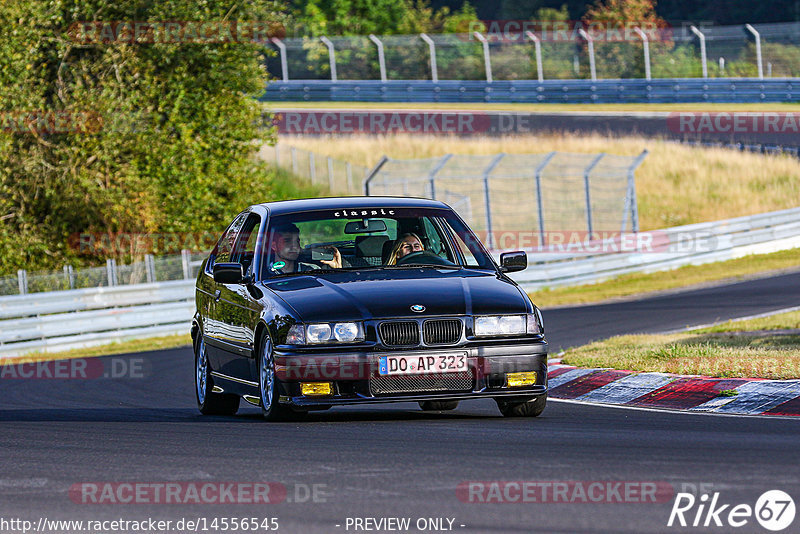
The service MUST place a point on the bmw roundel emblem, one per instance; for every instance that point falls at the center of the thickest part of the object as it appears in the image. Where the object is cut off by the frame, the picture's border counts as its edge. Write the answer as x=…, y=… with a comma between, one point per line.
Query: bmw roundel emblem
x=419, y=308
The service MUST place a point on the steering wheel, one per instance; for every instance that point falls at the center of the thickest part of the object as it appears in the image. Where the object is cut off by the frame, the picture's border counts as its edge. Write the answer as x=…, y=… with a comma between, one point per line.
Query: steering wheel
x=424, y=257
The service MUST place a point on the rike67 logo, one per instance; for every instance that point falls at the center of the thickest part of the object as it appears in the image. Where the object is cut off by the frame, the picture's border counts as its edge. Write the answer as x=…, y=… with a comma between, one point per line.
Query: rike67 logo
x=774, y=510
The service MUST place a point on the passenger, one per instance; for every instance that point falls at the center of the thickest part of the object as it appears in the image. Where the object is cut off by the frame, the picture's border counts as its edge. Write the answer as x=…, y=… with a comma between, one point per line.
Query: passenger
x=407, y=244
x=285, y=248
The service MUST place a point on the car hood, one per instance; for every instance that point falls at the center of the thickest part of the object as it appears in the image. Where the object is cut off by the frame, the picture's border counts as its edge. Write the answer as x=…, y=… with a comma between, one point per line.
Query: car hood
x=360, y=295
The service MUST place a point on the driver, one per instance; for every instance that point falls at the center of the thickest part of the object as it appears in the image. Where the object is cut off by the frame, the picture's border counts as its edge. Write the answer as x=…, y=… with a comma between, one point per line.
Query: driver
x=407, y=244
x=285, y=248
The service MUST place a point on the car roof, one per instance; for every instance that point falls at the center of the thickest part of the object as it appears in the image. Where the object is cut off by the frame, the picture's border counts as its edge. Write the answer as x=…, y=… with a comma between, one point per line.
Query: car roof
x=309, y=204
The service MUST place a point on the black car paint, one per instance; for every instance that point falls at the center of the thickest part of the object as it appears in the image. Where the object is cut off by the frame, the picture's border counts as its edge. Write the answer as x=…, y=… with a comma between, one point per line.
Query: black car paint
x=231, y=316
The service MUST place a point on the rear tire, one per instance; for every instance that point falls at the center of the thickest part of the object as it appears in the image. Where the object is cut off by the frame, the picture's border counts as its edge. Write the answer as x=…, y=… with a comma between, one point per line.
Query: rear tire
x=208, y=402
x=438, y=406
x=533, y=407
x=269, y=386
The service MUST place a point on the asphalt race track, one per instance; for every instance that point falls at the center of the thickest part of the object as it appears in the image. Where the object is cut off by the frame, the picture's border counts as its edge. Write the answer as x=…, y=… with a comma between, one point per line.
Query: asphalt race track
x=395, y=461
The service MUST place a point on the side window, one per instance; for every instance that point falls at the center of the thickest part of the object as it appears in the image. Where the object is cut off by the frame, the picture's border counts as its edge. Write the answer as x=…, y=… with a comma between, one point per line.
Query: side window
x=246, y=243
x=222, y=252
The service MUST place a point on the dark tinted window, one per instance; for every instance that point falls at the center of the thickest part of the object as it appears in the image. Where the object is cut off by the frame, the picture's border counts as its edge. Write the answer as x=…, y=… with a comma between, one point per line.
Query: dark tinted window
x=246, y=243
x=222, y=252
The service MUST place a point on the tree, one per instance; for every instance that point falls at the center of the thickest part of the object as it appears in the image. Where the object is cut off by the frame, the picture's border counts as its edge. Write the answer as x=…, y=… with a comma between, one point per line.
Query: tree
x=171, y=134
x=618, y=50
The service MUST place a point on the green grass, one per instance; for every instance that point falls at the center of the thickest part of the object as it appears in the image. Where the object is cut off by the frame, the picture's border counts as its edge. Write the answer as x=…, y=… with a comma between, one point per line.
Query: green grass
x=121, y=347
x=637, y=284
x=767, y=347
x=542, y=108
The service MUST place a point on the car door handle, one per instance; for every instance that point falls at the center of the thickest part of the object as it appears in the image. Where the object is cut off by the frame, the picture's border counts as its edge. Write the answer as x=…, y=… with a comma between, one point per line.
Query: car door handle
x=217, y=294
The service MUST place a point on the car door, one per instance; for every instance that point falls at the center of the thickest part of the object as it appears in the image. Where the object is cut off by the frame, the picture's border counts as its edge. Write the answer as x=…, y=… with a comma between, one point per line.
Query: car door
x=237, y=309
x=214, y=330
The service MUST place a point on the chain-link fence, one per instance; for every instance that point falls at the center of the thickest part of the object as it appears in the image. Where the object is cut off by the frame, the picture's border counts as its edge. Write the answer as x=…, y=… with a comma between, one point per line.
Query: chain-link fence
x=522, y=200
x=765, y=50
x=151, y=269
x=337, y=176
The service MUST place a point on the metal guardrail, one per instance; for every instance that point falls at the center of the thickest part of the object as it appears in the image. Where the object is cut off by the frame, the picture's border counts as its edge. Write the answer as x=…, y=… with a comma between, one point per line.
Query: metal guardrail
x=666, y=90
x=692, y=244
x=63, y=320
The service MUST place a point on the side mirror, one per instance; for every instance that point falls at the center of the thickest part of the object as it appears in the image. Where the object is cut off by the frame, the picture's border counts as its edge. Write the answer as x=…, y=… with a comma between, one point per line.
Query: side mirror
x=511, y=262
x=228, y=273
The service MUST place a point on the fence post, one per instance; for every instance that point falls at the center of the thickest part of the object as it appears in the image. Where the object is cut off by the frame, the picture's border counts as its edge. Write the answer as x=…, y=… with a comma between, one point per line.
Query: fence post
x=294, y=160
x=432, y=175
x=646, y=47
x=349, y=171
x=703, y=59
x=758, y=50
x=111, y=271
x=537, y=44
x=590, y=41
x=487, y=201
x=371, y=174
x=149, y=268
x=330, y=174
x=312, y=167
x=586, y=174
x=539, y=203
x=432, y=48
x=331, y=56
x=22, y=281
x=186, y=259
x=277, y=156
x=630, y=195
x=381, y=58
x=284, y=62
x=487, y=60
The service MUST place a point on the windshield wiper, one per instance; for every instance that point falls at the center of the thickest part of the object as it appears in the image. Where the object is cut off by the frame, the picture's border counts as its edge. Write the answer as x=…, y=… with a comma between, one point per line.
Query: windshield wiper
x=416, y=265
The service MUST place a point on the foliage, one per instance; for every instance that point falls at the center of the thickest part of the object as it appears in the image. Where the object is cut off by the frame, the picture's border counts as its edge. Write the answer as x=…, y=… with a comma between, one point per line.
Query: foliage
x=381, y=17
x=176, y=131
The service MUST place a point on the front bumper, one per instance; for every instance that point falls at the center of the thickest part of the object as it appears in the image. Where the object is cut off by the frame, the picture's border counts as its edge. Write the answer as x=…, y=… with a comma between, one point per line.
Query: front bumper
x=355, y=376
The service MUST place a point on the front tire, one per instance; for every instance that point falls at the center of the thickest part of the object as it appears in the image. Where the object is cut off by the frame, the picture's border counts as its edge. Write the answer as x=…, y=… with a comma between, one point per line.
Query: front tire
x=208, y=402
x=532, y=407
x=269, y=386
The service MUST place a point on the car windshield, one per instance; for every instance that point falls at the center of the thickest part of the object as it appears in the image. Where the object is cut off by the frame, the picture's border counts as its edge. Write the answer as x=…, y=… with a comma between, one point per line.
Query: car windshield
x=371, y=238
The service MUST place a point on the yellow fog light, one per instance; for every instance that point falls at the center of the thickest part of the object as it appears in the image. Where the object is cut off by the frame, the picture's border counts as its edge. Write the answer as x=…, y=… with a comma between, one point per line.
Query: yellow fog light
x=316, y=388
x=515, y=380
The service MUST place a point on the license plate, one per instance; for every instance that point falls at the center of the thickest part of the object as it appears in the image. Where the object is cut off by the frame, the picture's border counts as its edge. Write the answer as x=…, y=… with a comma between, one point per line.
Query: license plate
x=422, y=364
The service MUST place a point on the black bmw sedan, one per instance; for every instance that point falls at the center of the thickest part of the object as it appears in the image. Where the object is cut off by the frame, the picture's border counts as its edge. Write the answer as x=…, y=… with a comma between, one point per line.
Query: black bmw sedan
x=307, y=304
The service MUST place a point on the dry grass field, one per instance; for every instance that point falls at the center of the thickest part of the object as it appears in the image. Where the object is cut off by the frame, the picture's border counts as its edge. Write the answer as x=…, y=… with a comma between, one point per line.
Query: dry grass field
x=676, y=184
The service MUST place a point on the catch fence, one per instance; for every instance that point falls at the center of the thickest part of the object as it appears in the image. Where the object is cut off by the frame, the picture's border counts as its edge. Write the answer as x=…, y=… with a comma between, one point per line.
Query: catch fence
x=504, y=197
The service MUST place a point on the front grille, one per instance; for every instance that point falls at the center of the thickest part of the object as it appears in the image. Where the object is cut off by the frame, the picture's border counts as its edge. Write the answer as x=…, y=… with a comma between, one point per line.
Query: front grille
x=399, y=333
x=461, y=381
x=441, y=332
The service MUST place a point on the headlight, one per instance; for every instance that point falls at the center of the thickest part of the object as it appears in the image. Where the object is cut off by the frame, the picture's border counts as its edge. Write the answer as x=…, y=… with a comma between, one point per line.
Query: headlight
x=317, y=333
x=346, y=332
x=500, y=325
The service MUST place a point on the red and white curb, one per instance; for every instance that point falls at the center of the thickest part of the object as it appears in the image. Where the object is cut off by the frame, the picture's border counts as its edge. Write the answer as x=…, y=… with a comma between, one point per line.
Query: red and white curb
x=675, y=392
